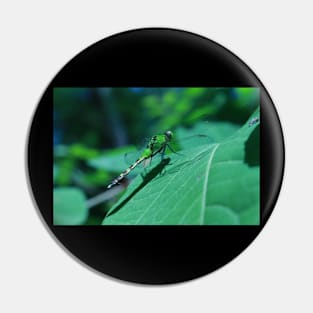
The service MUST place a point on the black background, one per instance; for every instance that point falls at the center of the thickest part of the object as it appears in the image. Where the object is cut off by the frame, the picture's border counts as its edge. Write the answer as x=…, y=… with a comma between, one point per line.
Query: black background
x=154, y=254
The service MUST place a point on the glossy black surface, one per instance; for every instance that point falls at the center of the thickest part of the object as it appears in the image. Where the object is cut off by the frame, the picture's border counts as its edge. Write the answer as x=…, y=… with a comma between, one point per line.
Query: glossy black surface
x=157, y=254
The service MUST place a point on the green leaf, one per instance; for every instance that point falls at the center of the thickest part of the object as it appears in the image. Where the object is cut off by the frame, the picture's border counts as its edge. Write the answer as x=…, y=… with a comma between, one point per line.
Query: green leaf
x=211, y=184
x=220, y=215
x=69, y=206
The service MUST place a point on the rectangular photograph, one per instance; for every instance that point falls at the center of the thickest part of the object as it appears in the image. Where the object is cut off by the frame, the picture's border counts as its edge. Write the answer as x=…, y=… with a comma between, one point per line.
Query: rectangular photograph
x=156, y=156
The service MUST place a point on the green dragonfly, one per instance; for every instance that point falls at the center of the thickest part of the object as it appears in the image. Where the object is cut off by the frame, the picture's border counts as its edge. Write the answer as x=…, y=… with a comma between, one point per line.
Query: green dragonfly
x=157, y=144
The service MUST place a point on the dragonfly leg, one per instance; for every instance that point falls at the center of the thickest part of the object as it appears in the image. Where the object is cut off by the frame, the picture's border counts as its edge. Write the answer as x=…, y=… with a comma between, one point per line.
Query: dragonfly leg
x=162, y=153
x=174, y=150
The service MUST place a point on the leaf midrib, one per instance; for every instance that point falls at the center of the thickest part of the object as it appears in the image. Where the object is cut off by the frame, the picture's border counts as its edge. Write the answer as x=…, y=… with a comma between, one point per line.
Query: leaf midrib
x=205, y=185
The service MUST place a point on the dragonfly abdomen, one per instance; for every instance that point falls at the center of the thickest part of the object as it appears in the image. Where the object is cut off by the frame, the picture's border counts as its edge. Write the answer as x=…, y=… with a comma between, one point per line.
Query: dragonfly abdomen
x=157, y=144
x=116, y=180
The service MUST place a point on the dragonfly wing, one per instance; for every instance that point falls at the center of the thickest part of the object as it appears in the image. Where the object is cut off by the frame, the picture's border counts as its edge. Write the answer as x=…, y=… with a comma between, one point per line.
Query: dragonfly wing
x=131, y=157
x=193, y=141
x=146, y=162
x=204, y=133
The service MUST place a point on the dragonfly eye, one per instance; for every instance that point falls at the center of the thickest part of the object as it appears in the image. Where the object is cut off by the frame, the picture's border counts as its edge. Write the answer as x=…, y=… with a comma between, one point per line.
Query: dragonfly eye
x=169, y=135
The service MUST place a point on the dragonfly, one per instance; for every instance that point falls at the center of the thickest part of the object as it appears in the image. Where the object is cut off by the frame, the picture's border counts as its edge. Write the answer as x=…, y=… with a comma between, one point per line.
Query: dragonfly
x=156, y=145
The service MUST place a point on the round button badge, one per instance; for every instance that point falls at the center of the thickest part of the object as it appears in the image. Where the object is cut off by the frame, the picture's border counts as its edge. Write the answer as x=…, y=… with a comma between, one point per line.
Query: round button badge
x=155, y=156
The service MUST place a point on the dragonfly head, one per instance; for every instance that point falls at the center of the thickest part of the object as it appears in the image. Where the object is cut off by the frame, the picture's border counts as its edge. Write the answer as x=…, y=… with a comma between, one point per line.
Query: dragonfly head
x=168, y=135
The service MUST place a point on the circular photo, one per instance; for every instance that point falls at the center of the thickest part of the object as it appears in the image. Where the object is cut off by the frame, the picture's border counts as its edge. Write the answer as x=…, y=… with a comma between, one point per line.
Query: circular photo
x=155, y=156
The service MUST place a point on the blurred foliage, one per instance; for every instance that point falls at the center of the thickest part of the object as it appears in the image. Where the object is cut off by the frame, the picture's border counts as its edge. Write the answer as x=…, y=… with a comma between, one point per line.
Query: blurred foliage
x=95, y=127
x=69, y=206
